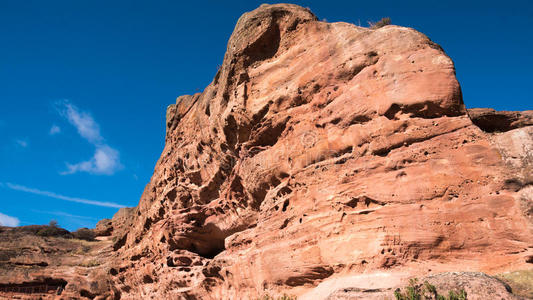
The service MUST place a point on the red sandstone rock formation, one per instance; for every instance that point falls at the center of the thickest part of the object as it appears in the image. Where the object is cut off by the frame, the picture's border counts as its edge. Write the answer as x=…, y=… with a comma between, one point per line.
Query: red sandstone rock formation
x=475, y=285
x=322, y=153
x=497, y=121
x=33, y=266
x=324, y=150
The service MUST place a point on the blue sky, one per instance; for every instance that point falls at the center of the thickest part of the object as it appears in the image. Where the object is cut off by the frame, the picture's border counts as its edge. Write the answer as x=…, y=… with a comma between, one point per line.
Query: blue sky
x=84, y=85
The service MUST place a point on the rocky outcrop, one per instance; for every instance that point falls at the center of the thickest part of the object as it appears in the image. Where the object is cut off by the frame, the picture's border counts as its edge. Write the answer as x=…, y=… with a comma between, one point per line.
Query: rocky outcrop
x=320, y=152
x=119, y=225
x=33, y=266
x=476, y=286
x=490, y=120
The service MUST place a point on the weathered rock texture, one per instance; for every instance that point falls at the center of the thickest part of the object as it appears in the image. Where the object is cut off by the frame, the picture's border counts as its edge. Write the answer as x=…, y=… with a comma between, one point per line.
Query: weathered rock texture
x=477, y=286
x=497, y=121
x=321, y=151
x=55, y=267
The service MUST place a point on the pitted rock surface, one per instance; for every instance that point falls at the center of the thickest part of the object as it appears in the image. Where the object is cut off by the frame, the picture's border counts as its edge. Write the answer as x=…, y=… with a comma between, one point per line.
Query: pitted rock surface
x=322, y=151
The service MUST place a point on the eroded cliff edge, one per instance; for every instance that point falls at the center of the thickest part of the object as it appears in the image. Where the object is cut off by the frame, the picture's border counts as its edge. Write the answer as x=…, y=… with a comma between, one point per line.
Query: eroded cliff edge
x=323, y=151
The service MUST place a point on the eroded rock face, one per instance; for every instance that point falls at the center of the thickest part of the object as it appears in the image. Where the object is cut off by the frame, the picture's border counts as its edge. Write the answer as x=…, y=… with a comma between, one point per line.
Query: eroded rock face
x=499, y=121
x=321, y=151
x=53, y=267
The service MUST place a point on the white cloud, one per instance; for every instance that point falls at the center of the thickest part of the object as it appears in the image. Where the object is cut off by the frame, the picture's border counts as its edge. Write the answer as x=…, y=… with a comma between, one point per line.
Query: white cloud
x=22, y=188
x=106, y=160
x=6, y=220
x=22, y=143
x=54, y=130
x=83, y=121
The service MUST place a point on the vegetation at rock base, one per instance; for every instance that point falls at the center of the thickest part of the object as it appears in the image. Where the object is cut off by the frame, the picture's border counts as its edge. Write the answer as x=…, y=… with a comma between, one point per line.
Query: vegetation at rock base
x=426, y=291
x=521, y=282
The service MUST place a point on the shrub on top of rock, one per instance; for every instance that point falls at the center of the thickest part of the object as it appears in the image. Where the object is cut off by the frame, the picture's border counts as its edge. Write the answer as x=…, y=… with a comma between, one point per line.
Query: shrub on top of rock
x=52, y=229
x=426, y=291
x=383, y=22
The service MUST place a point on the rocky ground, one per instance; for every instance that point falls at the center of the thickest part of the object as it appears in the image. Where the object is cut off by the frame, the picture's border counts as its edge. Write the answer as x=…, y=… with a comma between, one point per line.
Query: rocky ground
x=324, y=161
x=33, y=266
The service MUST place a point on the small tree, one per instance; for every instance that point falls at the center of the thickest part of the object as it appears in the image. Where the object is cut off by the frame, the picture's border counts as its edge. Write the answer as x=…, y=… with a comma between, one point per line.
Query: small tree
x=53, y=223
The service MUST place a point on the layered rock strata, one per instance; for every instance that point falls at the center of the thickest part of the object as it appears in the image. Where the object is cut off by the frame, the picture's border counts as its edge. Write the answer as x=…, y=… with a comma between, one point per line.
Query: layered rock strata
x=323, y=151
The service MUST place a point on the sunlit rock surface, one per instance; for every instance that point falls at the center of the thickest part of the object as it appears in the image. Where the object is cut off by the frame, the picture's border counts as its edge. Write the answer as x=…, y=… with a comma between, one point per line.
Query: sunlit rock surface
x=322, y=152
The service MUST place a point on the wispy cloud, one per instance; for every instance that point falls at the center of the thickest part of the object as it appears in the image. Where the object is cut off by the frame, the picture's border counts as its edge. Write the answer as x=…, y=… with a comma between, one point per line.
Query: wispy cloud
x=106, y=160
x=83, y=121
x=6, y=220
x=54, y=130
x=22, y=143
x=25, y=189
x=64, y=214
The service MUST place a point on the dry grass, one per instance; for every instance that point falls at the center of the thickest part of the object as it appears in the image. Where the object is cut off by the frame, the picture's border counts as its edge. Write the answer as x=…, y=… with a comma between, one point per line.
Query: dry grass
x=284, y=297
x=520, y=281
x=82, y=250
x=383, y=22
x=90, y=263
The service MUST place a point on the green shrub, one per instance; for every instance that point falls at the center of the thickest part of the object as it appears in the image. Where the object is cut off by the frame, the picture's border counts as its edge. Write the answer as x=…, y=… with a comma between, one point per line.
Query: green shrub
x=426, y=291
x=84, y=234
x=52, y=229
x=49, y=231
x=461, y=295
x=383, y=22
